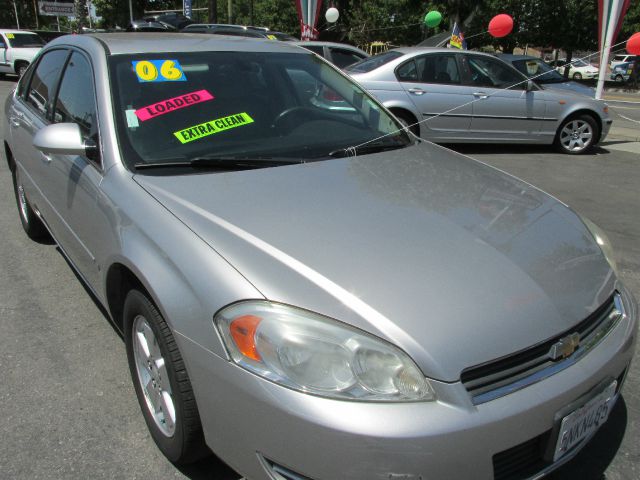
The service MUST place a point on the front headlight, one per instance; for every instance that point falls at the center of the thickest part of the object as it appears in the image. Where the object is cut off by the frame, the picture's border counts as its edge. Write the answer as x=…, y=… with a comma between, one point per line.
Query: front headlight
x=603, y=242
x=317, y=355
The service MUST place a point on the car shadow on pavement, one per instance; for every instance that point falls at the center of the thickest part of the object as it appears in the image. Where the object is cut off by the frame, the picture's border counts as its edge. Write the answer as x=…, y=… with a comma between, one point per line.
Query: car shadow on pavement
x=210, y=468
x=594, y=459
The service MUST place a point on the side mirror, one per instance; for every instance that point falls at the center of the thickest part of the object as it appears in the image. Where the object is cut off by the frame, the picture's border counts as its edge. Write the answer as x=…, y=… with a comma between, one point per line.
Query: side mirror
x=60, y=139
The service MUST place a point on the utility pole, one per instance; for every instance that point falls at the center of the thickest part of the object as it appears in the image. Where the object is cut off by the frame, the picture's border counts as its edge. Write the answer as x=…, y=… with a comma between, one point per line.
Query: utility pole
x=35, y=11
x=230, y=11
x=15, y=9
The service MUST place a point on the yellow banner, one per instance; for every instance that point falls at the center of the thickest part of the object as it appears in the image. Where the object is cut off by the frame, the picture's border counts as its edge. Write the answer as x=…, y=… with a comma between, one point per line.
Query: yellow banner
x=212, y=127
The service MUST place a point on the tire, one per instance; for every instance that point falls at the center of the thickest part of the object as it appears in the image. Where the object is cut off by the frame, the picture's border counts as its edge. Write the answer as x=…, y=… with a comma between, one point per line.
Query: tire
x=164, y=392
x=577, y=76
x=577, y=135
x=619, y=79
x=31, y=223
x=407, y=120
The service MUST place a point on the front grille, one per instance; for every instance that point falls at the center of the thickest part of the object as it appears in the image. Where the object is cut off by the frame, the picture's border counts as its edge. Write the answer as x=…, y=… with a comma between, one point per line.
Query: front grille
x=521, y=461
x=505, y=375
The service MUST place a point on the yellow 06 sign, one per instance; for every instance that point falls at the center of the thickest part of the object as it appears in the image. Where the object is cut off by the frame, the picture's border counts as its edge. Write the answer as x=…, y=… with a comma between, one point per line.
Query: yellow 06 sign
x=159, y=71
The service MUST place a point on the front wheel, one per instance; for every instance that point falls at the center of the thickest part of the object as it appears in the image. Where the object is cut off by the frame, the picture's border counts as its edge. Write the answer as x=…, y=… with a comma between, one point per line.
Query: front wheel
x=619, y=79
x=577, y=135
x=577, y=76
x=161, y=382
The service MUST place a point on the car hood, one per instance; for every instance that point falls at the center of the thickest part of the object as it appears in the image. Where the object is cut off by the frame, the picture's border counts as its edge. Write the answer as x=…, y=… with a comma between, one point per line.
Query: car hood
x=453, y=261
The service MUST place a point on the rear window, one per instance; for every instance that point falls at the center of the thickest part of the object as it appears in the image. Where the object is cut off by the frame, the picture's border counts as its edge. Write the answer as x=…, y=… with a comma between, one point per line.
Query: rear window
x=371, y=63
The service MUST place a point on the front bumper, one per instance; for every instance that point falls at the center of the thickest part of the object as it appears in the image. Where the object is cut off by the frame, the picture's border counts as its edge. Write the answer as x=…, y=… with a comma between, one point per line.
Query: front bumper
x=250, y=422
x=606, y=126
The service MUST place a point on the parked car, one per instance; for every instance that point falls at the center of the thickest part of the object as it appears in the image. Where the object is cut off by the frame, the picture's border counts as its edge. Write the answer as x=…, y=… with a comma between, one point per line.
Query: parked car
x=622, y=72
x=622, y=58
x=238, y=31
x=48, y=35
x=175, y=19
x=296, y=284
x=340, y=54
x=17, y=50
x=537, y=70
x=150, y=26
x=451, y=96
x=578, y=69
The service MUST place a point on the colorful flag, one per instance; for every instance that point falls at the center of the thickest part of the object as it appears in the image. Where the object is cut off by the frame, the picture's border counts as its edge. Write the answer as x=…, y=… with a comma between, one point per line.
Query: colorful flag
x=610, y=16
x=457, y=38
x=308, y=13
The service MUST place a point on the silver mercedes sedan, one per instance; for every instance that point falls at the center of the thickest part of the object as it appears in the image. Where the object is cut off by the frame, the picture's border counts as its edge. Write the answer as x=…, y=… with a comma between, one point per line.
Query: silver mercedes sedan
x=314, y=293
x=459, y=96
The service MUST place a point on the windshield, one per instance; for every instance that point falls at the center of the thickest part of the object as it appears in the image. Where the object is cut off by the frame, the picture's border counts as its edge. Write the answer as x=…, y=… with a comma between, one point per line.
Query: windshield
x=580, y=63
x=534, y=67
x=24, y=40
x=371, y=63
x=178, y=107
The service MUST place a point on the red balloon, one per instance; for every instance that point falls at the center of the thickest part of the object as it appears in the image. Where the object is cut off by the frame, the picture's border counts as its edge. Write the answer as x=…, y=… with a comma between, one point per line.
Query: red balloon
x=633, y=44
x=501, y=25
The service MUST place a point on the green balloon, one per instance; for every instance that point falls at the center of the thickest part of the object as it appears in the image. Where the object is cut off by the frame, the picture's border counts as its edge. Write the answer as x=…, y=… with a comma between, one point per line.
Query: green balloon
x=432, y=19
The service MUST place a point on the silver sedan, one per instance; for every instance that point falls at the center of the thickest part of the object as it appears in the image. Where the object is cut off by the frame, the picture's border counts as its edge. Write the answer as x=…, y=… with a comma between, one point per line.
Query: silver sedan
x=454, y=96
x=313, y=292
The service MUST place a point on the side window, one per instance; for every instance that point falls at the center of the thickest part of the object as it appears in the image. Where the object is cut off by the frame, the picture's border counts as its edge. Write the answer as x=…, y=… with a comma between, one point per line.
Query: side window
x=316, y=49
x=407, y=72
x=487, y=72
x=44, y=80
x=342, y=58
x=76, y=101
x=440, y=69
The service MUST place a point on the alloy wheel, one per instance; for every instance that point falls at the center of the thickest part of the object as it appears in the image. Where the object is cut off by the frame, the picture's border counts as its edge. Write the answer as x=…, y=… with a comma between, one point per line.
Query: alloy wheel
x=576, y=135
x=153, y=376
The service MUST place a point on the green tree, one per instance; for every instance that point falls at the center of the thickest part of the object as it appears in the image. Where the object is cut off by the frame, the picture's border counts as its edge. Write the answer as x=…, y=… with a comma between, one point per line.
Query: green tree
x=395, y=21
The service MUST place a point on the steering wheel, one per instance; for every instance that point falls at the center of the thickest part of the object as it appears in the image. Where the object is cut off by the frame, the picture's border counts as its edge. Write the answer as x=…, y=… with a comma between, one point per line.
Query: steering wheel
x=291, y=117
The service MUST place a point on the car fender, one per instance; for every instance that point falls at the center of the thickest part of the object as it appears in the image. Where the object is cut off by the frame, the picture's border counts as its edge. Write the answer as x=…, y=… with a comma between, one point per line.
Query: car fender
x=187, y=279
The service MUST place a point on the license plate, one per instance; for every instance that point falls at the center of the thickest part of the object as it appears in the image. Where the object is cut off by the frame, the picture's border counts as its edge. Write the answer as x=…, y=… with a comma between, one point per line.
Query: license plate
x=584, y=421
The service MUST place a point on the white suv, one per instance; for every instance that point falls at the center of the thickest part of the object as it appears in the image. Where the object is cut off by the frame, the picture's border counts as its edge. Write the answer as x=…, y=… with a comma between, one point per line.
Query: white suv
x=17, y=50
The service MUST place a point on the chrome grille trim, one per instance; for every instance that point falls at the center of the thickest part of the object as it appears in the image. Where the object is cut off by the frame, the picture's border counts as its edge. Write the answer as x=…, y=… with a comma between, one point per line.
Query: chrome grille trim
x=536, y=364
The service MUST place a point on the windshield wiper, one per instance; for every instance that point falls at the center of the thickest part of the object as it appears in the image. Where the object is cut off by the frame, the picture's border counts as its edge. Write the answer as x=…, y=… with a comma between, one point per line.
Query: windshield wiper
x=221, y=163
x=373, y=147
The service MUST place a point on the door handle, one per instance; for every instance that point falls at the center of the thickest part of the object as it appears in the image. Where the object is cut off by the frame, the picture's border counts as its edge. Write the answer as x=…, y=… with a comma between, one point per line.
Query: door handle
x=417, y=91
x=480, y=94
x=45, y=158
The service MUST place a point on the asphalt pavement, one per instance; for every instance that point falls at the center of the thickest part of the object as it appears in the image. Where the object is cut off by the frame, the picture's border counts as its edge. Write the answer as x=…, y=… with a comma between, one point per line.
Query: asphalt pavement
x=68, y=407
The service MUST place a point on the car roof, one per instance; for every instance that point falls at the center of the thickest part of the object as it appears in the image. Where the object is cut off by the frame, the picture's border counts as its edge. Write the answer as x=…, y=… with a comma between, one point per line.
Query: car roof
x=9, y=30
x=132, y=42
x=416, y=50
x=511, y=57
x=316, y=43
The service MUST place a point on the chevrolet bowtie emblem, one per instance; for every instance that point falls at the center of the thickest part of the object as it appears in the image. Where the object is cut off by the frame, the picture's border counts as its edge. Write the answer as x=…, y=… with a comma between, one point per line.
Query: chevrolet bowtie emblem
x=564, y=347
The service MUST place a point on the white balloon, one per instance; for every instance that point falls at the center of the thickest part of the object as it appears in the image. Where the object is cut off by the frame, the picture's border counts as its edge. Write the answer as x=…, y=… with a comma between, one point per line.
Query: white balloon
x=332, y=15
